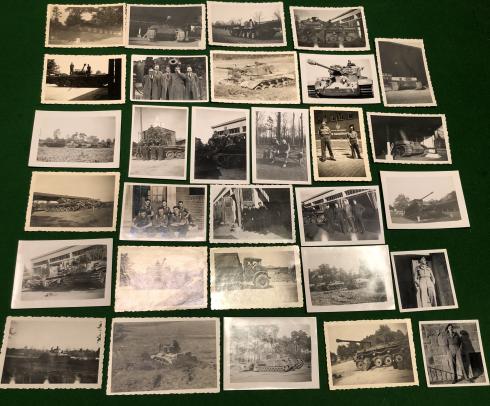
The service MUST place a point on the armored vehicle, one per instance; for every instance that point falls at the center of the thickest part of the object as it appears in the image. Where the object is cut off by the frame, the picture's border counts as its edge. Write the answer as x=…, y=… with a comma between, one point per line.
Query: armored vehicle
x=420, y=210
x=316, y=32
x=342, y=81
x=272, y=363
x=408, y=148
x=232, y=273
x=256, y=30
x=257, y=76
x=157, y=137
x=78, y=78
x=394, y=83
x=161, y=32
x=171, y=354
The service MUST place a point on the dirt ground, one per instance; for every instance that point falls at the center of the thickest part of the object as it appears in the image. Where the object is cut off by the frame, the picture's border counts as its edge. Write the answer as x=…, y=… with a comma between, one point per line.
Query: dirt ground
x=93, y=155
x=318, y=232
x=404, y=220
x=101, y=217
x=141, y=42
x=68, y=38
x=345, y=166
x=298, y=375
x=408, y=96
x=63, y=295
x=342, y=297
x=55, y=93
x=222, y=35
x=166, y=169
x=275, y=233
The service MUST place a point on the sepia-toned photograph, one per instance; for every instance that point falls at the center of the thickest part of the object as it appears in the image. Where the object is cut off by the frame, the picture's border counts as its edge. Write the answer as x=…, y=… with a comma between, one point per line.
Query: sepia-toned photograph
x=409, y=138
x=251, y=214
x=159, y=142
x=169, y=78
x=72, y=201
x=219, y=145
x=345, y=279
x=166, y=26
x=254, y=77
x=156, y=212
x=85, y=25
x=52, y=353
x=370, y=354
x=161, y=278
x=255, y=277
x=76, y=139
x=423, y=280
x=270, y=353
x=164, y=356
x=422, y=200
x=246, y=24
x=280, y=146
x=339, y=132
x=329, y=28
x=339, y=215
x=84, y=79
x=453, y=353
x=338, y=79
x=404, y=73
x=62, y=273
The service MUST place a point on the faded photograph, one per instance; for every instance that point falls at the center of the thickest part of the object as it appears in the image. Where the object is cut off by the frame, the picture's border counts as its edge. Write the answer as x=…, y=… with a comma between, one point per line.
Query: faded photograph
x=161, y=278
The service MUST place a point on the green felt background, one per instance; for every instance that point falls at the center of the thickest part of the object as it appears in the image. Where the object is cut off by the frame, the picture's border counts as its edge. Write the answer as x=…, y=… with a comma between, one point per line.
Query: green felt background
x=456, y=36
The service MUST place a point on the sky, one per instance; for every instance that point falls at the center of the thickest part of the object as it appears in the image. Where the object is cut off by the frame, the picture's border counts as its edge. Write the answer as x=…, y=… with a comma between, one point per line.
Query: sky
x=324, y=14
x=71, y=122
x=416, y=187
x=93, y=186
x=44, y=334
x=32, y=249
x=286, y=325
x=204, y=118
x=226, y=12
x=64, y=14
x=269, y=257
x=96, y=62
x=307, y=193
x=168, y=117
x=177, y=259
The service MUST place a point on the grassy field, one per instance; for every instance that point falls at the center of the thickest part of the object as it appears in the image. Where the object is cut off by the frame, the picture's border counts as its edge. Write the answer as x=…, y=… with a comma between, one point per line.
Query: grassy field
x=100, y=217
x=49, y=154
x=341, y=297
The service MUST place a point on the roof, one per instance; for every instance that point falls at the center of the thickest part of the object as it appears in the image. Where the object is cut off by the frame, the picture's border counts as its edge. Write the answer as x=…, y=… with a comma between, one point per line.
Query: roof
x=46, y=196
x=237, y=120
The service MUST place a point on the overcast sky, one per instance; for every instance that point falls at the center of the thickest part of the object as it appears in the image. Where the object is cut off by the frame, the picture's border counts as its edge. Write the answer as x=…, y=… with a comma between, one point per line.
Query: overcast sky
x=416, y=187
x=96, y=62
x=269, y=257
x=171, y=118
x=286, y=325
x=177, y=259
x=204, y=118
x=244, y=11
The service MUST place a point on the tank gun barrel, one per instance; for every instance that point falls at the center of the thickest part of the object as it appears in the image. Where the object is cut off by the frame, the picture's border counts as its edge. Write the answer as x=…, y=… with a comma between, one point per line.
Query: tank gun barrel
x=339, y=340
x=427, y=195
x=315, y=63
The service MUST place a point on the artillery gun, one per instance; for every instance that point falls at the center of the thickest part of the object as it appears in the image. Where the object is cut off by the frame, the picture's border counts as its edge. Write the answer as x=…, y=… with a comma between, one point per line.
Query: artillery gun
x=258, y=76
x=78, y=78
x=342, y=81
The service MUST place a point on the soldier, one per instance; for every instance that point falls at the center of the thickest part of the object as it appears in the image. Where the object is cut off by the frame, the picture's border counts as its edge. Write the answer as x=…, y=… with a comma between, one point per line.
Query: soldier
x=184, y=213
x=262, y=217
x=283, y=150
x=453, y=344
x=179, y=222
x=349, y=214
x=140, y=223
x=153, y=152
x=149, y=85
x=147, y=208
x=146, y=152
x=165, y=83
x=176, y=90
x=358, y=210
x=353, y=138
x=160, y=220
x=191, y=85
x=160, y=150
x=330, y=216
x=325, y=133
x=158, y=82
x=89, y=70
x=340, y=218
x=72, y=68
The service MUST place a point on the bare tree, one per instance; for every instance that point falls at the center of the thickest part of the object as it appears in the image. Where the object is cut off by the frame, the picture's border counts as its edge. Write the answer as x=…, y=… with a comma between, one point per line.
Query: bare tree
x=258, y=16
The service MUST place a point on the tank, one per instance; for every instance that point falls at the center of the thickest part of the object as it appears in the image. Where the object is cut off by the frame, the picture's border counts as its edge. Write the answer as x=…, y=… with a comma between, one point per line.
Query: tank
x=408, y=148
x=171, y=354
x=418, y=209
x=395, y=83
x=257, y=30
x=342, y=81
x=271, y=363
x=161, y=32
x=157, y=136
x=78, y=78
x=227, y=151
x=257, y=76
x=316, y=32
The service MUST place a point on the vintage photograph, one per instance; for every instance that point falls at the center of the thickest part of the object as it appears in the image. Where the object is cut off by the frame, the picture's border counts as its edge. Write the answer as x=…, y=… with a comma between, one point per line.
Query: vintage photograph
x=404, y=73
x=423, y=280
x=159, y=142
x=52, y=353
x=255, y=277
x=339, y=215
x=156, y=212
x=85, y=26
x=338, y=79
x=329, y=28
x=219, y=145
x=76, y=139
x=409, y=138
x=270, y=353
x=251, y=214
x=421, y=200
x=339, y=132
x=453, y=353
x=62, y=273
x=345, y=279
x=72, y=201
x=161, y=278
x=169, y=78
x=164, y=355
x=246, y=24
x=166, y=26
x=370, y=354
x=280, y=146
x=83, y=79
x=254, y=77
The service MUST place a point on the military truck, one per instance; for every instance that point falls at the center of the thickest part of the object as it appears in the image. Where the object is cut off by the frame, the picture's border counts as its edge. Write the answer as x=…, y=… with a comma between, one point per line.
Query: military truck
x=78, y=78
x=231, y=273
x=256, y=30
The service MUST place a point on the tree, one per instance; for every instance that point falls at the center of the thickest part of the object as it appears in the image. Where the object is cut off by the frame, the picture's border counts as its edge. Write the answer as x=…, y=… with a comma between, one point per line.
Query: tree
x=401, y=202
x=258, y=16
x=52, y=68
x=55, y=17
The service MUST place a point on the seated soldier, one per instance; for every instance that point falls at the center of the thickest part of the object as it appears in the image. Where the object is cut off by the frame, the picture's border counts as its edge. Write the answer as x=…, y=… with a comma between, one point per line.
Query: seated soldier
x=141, y=223
x=178, y=223
x=160, y=221
x=283, y=150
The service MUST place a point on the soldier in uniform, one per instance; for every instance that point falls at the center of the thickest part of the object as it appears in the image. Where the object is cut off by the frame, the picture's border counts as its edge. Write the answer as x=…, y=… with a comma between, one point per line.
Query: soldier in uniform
x=330, y=216
x=140, y=223
x=453, y=344
x=349, y=214
x=150, y=86
x=358, y=210
x=340, y=218
x=283, y=150
x=148, y=208
x=166, y=209
x=160, y=150
x=165, y=83
x=160, y=220
x=325, y=134
x=192, y=91
x=353, y=138
x=176, y=90
x=184, y=213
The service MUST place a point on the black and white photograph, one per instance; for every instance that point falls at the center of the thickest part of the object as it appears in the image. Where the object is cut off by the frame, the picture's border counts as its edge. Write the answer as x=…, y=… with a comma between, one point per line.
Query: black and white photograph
x=329, y=28
x=255, y=277
x=72, y=201
x=150, y=356
x=370, y=354
x=159, y=142
x=453, y=353
x=339, y=144
x=254, y=77
x=85, y=25
x=166, y=26
x=246, y=24
x=169, y=78
x=76, y=139
x=259, y=214
x=339, y=215
x=219, y=145
x=346, y=279
x=161, y=278
x=280, y=146
x=270, y=353
x=404, y=73
x=423, y=280
x=52, y=353
x=423, y=200
x=84, y=79
x=157, y=212
x=62, y=273
x=338, y=79
x=409, y=138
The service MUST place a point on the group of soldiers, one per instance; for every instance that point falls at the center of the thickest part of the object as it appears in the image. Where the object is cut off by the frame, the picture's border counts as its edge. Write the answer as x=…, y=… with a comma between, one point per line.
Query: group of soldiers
x=176, y=85
x=345, y=218
x=256, y=219
x=325, y=135
x=148, y=152
x=165, y=220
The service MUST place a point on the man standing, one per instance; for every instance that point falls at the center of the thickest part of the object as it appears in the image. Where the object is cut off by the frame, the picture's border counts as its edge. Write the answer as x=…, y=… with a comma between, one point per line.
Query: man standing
x=349, y=214
x=158, y=82
x=191, y=85
x=283, y=151
x=325, y=134
x=176, y=90
x=150, y=87
x=72, y=68
x=165, y=83
x=354, y=143
x=358, y=210
x=340, y=218
x=453, y=344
